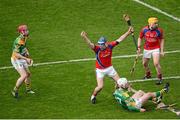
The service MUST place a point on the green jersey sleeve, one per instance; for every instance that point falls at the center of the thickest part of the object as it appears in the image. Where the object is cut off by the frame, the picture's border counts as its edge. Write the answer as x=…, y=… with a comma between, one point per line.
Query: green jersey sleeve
x=121, y=97
x=17, y=48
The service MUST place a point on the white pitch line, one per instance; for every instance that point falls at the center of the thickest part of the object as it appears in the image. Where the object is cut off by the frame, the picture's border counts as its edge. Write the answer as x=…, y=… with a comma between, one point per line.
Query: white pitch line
x=152, y=79
x=81, y=60
x=157, y=10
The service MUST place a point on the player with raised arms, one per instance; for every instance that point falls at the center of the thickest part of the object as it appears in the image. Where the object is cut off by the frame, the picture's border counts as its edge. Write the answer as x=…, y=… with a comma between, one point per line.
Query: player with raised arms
x=103, y=51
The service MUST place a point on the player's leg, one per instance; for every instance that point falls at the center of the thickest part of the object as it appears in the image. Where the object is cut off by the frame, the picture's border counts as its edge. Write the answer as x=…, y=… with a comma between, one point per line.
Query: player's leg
x=18, y=65
x=151, y=95
x=146, y=58
x=138, y=94
x=111, y=72
x=100, y=83
x=97, y=89
x=28, y=81
x=23, y=75
x=156, y=59
x=148, y=96
x=115, y=78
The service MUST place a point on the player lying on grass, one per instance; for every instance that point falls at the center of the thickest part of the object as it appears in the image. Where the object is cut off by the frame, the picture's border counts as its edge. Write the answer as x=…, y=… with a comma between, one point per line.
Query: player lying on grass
x=20, y=60
x=138, y=99
x=103, y=51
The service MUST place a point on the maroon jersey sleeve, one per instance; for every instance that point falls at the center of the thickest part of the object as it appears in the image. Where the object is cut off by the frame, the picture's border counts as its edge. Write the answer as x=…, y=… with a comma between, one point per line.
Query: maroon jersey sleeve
x=96, y=48
x=141, y=34
x=161, y=33
x=113, y=44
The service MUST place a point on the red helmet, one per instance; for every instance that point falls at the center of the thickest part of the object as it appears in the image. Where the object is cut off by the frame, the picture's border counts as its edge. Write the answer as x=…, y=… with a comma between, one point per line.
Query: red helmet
x=22, y=29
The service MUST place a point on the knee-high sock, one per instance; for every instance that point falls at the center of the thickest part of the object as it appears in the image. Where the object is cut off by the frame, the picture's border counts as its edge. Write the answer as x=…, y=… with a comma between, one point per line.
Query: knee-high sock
x=28, y=86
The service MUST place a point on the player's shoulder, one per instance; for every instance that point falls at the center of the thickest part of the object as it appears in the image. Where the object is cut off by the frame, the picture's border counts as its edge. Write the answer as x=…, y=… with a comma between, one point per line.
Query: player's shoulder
x=109, y=42
x=96, y=47
x=145, y=27
x=112, y=42
x=19, y=40
x=19, y=37
x=160, y=29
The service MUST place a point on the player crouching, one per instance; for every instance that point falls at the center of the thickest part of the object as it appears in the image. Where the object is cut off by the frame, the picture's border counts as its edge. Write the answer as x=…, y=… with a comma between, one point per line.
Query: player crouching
x=20, y=60
x=138, y=99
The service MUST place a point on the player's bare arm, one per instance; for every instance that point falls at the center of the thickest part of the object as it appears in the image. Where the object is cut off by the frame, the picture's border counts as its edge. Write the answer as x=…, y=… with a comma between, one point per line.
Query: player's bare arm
x=87, y=40
x=162, y=47
x=139, y=46
x=121, y=38
x=130, y=89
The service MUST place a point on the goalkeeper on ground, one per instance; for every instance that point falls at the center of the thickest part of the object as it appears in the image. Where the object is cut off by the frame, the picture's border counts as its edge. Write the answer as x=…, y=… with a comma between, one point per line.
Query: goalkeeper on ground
x=138, y=99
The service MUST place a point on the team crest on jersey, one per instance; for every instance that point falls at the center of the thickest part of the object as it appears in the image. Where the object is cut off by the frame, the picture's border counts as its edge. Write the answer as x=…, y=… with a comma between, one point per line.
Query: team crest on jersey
x=151, y=37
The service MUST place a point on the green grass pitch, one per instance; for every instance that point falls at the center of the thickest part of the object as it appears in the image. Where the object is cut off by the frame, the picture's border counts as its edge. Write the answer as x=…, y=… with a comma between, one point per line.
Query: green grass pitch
x=63, y=90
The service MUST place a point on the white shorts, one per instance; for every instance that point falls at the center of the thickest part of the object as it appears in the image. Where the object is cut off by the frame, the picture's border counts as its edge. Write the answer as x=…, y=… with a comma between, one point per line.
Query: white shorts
x=19, y=63
x=149, y=53
x=110, y=71
x=138, y=103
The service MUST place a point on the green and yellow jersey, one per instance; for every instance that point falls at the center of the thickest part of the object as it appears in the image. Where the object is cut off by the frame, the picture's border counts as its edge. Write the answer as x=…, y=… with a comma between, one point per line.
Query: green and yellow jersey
x=125, y=100
x=19, y=46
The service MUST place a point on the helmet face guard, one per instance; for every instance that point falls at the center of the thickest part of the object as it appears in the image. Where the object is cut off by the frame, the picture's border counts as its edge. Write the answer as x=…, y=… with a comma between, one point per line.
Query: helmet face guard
x=123, y=83
x=102, y=41
x=101, y=44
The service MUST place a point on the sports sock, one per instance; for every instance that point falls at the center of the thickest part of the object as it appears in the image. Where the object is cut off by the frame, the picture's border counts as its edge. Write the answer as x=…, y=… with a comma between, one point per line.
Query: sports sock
x=92, y=97
x=159, y=93
x=15, y=89
x=94, y=94
x=163, y=91
x=159, y=76
x=148, y=73
x=28, y=86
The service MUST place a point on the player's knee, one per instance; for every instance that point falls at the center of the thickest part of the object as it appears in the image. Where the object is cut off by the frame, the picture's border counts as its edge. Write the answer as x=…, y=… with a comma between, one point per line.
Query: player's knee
x=100, y=87
x=28, y=74
x=156, y=64
x=145, y=64
x=149, y=94
x=24, y=76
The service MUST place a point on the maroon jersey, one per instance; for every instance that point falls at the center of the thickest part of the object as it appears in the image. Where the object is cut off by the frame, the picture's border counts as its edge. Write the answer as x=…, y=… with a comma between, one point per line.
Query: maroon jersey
x=103, y=57
x=152, y=37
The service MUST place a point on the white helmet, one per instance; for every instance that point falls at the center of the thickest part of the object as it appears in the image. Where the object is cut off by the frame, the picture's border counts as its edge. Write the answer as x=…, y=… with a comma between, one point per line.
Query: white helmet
x=122, y=82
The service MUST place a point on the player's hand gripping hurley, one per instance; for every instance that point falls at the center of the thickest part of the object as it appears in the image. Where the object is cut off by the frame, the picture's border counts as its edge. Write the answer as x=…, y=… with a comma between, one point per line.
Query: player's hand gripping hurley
x=127, y=19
